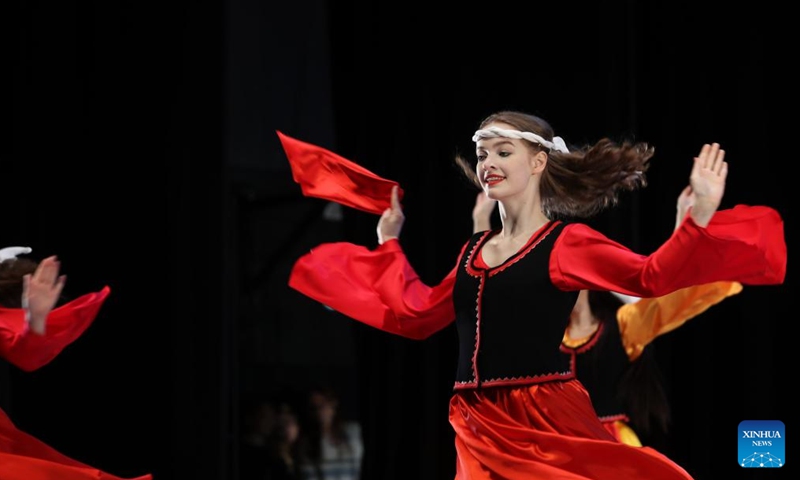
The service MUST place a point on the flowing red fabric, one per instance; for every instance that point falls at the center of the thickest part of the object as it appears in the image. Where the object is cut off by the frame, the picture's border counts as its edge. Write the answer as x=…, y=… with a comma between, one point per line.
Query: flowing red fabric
x=22, y=456
x=545, y=432
x=29, y=351
x=324, y=174
x=745, y=244
x=376, y=287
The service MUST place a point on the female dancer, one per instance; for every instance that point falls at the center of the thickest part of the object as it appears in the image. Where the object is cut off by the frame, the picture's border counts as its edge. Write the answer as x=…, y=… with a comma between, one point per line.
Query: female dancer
x=517, y=409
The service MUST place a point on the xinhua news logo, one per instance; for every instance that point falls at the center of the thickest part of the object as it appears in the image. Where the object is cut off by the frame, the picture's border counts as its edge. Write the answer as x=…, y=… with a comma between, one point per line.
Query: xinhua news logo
x=762, y=444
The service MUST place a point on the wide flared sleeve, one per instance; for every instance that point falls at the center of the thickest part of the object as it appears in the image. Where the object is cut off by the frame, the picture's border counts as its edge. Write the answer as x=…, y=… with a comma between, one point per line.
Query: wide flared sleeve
x=744, y=244
x=65, y=323
x=376, y=287
x=642, y=321
x=324, y=174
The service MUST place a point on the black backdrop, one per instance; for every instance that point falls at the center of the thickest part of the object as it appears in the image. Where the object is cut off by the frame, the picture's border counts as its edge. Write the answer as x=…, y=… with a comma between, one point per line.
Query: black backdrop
x=143, y=154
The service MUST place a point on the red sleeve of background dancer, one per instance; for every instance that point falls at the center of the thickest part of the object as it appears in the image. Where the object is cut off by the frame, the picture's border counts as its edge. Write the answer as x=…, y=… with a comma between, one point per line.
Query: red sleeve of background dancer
x=744, y=244
x=30, y=351
x=376, y=287
x=38, y=461
x=324, y=174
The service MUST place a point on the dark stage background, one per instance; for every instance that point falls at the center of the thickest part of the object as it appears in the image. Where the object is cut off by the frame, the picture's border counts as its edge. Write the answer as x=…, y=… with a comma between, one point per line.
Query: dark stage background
x=142, y=151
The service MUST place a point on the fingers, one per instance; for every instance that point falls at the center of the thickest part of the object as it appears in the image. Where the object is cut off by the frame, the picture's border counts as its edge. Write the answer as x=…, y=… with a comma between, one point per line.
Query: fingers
x=391, y=221
x=702, y=159
x=396, y=199
x=59, y=285
x=716, y=158
x=47, y=270
x=26, y=286
x=712, y=157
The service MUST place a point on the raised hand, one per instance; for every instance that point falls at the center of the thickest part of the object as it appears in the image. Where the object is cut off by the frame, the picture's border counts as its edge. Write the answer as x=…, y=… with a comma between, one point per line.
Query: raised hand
x=391, y=222
x=685, y=202
x=40, y=292
x=707, y=182
x=482, y=213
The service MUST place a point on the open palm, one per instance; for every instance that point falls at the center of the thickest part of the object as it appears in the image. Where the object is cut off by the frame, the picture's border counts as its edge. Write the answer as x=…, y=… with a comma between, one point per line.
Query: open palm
x=40, y=292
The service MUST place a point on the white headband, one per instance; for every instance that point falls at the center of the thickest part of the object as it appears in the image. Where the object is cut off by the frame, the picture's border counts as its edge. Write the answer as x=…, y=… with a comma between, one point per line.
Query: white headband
x=9, y=253
x=493, y=132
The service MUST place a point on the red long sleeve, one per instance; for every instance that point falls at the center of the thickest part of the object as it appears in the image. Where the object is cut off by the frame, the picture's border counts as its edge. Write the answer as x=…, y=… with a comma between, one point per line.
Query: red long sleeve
x=378, y=288
x=324, y=174
x=65, y=324
x=744, y=244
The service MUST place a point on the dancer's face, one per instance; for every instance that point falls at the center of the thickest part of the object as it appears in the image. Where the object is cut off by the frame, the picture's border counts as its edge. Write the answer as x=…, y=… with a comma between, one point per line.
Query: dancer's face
x=506, y=166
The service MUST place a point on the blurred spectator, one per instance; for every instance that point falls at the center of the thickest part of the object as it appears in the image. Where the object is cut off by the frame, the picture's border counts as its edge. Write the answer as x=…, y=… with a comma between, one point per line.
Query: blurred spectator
x=259, y=422
x=331, y=447
x=282, y=447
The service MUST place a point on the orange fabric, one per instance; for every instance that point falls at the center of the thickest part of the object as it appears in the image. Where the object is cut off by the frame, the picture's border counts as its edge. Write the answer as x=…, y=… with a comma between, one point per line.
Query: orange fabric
x=622, y=432
x=547, y=431
x=29, y=351
x=642, y=321
x=570, y=342
x=324, y=174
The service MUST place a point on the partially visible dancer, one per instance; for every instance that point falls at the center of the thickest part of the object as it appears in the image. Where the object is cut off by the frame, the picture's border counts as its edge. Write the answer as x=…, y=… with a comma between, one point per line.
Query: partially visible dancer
x=608, y=332
x=331, y=446
x=517, y=409
x=34, y=329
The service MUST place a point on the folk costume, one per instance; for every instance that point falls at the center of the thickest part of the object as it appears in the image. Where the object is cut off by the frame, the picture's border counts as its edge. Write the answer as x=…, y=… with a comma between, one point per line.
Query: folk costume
x=518, y=410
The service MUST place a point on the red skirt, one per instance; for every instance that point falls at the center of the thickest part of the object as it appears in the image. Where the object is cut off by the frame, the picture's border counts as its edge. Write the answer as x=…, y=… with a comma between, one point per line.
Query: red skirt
x=548, y=431
x=23, y=457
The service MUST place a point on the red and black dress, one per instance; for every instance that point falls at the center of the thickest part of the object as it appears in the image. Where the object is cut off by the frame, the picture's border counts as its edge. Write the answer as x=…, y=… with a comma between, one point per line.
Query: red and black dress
x=22, y=456
x=517, y=410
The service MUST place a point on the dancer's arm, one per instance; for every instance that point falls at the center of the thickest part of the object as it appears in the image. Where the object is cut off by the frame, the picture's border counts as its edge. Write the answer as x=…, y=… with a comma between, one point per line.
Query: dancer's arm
x=28, y=350
x=376, y=287
x=744, y=244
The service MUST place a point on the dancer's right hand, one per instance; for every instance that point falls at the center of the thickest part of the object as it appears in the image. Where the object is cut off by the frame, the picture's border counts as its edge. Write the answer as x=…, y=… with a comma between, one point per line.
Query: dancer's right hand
x=40, y=292
x=392, y=219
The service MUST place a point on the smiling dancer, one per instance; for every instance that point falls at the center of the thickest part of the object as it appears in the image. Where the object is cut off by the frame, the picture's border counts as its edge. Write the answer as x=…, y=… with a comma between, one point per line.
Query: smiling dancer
x=517, y=409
